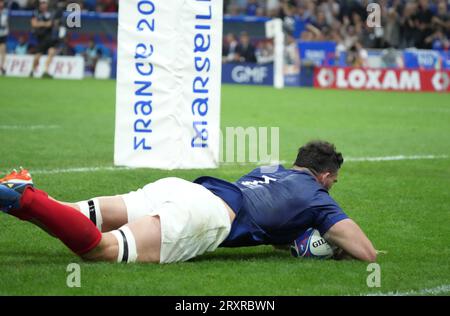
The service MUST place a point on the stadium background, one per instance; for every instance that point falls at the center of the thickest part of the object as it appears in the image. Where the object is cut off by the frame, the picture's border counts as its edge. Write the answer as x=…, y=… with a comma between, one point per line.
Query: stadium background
x=393, y=184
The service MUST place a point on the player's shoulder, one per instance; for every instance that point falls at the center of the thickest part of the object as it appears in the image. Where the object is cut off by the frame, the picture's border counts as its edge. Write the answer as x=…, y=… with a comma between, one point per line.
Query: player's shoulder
x=322, y=198
x=280, y=170
x=301, y=177
x=306, y=185
x=269, y=169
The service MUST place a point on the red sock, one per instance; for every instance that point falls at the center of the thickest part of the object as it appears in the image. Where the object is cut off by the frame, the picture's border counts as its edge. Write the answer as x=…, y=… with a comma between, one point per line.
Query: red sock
x=74, y=229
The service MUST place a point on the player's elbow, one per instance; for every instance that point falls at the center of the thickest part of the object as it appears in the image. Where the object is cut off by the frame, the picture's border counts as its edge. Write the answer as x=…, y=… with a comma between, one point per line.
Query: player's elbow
x=369, y=255
x=365, y=252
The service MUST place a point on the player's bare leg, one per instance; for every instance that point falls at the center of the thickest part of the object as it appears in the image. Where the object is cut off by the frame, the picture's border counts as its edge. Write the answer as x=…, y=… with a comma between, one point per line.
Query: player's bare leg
x=107, y=213
x=36, y=59
x=139, y=241
x=51, y=53
x=2, y=58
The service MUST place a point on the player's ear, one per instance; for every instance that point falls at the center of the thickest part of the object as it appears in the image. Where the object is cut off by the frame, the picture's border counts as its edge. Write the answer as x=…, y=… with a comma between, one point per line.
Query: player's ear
x=323, y=176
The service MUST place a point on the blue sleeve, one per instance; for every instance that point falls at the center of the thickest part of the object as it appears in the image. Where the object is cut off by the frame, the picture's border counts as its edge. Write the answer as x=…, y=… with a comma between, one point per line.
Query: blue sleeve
x=327, y=212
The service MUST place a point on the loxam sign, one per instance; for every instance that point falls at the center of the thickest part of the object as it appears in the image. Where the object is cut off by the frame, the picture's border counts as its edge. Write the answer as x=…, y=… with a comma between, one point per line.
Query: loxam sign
x=381, y=79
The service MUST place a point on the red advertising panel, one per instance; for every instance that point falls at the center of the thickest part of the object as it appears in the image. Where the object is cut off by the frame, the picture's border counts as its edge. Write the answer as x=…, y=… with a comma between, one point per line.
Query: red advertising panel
x=381, y=79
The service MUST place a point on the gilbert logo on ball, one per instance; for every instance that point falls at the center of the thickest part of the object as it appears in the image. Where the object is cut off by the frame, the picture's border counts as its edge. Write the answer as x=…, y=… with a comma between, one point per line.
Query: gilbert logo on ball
x=311, y=244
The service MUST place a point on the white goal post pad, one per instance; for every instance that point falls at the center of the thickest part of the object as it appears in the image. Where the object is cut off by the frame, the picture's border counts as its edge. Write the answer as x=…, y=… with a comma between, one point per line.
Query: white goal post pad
x=274, y=29
x=168, y=84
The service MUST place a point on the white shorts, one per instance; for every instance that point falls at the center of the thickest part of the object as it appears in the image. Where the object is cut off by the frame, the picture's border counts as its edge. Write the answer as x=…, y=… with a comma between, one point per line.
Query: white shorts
x=193, y=219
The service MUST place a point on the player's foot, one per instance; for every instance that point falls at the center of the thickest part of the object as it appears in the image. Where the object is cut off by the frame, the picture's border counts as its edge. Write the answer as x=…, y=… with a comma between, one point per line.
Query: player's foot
x=17, y=181
x=9, y=199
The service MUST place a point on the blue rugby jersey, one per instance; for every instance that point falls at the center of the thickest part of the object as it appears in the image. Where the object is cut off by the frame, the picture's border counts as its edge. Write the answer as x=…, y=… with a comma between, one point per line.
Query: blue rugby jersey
x=274, y=207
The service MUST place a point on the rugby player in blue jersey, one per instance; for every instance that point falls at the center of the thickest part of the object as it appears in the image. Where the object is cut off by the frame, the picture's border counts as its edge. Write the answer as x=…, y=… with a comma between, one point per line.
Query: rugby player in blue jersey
x=174, y=220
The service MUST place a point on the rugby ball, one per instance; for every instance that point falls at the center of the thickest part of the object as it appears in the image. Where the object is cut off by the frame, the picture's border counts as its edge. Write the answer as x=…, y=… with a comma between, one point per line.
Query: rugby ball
x=311, y=244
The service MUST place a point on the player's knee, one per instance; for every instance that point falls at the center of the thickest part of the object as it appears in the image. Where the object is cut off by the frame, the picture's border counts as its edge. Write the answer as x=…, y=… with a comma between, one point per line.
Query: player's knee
x=120, y=246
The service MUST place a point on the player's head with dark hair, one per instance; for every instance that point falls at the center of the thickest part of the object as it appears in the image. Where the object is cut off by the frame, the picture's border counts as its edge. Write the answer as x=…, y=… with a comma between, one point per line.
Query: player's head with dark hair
x=322, y=159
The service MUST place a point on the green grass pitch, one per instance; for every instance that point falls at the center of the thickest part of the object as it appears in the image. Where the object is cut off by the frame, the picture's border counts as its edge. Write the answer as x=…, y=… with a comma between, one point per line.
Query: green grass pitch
x=403, y=206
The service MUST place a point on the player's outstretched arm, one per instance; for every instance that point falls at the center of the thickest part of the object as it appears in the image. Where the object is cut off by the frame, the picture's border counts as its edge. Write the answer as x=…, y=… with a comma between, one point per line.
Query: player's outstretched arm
x=348, y=236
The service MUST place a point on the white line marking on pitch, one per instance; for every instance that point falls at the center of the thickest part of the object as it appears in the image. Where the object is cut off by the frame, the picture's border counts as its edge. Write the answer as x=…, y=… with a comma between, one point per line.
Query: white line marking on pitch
x=70, y=170
x=433, y=291
x=32, y=127
x=357, y=159
x=362, y=159
x=394, y=158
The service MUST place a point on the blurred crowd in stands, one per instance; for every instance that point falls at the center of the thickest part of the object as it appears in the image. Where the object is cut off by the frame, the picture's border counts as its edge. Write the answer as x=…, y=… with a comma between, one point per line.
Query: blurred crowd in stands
x=48, y=35
x=86, y=5
x=404, y=23
x=422, y=24
x=243, y=50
